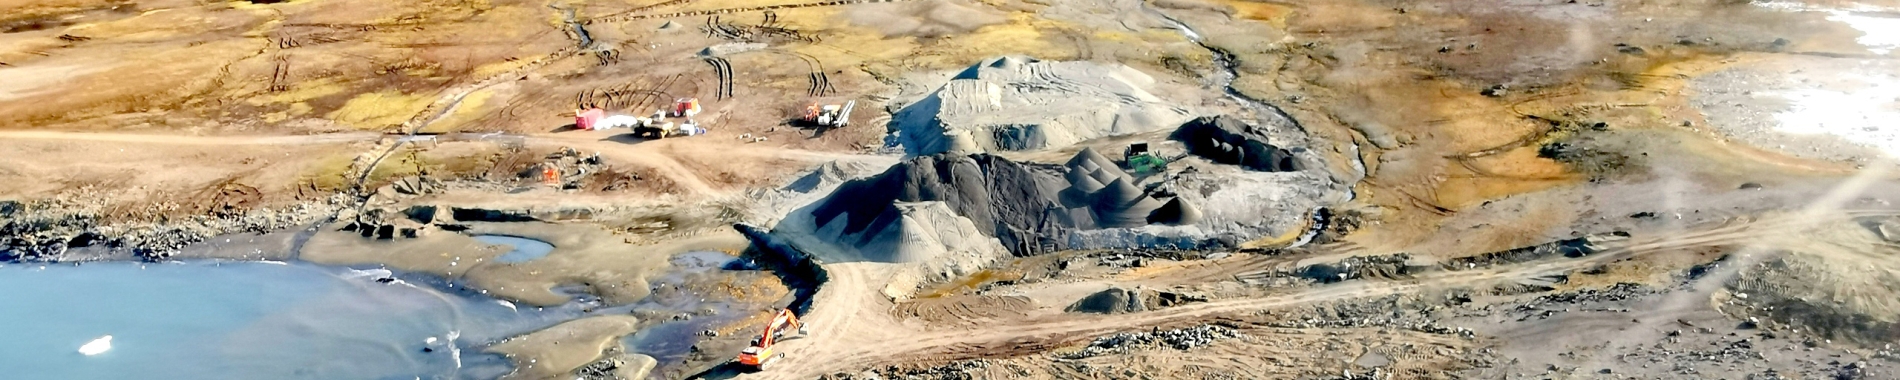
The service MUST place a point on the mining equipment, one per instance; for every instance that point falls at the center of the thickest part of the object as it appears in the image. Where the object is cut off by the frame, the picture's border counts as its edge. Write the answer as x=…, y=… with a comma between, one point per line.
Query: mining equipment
x=654, y=127
x=686, y=107
x=1141, y=161
x=761, y=353
x=830, y=115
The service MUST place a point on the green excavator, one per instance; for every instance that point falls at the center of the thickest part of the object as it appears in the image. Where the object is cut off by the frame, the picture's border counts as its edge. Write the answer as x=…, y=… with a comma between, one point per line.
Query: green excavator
x=1141, y=161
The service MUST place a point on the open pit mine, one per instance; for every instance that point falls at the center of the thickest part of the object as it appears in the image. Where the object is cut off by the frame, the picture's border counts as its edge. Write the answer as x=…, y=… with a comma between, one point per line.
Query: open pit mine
x=949, y=189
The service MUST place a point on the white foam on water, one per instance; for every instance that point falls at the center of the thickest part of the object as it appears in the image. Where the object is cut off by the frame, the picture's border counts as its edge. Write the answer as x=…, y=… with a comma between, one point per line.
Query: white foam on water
x=455, y=351
x=1865, y=113
x=96, y=346
x=369, y=273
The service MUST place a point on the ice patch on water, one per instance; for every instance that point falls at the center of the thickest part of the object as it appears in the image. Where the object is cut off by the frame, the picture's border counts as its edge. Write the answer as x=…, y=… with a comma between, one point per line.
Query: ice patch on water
x=96, y=346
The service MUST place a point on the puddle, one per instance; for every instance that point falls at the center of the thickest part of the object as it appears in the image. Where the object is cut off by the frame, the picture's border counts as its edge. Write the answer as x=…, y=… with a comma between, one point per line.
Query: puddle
x=248, y=320
x=524, y=249
x=686, y=313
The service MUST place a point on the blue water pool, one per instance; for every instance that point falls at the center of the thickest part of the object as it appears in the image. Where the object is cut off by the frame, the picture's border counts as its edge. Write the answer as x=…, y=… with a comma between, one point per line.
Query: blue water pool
x=522, y=249
x=246, y=320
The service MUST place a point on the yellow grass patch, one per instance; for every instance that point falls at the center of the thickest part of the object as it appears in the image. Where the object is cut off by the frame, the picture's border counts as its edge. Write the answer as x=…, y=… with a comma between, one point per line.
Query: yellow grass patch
x=1272, y=14
x=378, y=110
x=469, y=110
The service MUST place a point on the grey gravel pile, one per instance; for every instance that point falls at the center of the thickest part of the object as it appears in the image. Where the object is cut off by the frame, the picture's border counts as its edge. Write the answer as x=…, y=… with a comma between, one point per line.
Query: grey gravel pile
x=1179, y=339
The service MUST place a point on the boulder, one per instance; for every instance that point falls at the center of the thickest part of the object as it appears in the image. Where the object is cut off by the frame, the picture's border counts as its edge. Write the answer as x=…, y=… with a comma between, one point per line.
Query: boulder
x=1110, y=301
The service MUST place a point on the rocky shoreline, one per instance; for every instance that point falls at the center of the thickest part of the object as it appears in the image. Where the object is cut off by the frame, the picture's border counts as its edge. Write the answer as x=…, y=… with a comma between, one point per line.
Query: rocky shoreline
x=55, y=230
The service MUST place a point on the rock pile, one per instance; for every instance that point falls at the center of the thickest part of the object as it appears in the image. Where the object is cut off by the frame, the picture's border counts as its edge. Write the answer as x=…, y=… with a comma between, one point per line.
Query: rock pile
x=618, y=367
x=958, y=370
x=1121, y=300
x=1110, y=301
x=1179, y=339
x=45, y=230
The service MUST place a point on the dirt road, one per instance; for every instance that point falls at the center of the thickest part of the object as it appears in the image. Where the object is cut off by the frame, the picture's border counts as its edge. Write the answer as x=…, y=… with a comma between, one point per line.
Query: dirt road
x=854, y=331
x=661, y=155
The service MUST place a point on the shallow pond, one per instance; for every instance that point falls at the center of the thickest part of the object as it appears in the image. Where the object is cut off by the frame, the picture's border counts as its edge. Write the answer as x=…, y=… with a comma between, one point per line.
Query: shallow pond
x=523, y=249
x=246, y=320
x=671, y=341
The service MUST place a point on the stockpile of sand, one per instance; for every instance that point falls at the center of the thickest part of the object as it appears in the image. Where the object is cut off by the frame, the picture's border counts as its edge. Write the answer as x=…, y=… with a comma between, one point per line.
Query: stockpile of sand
x=1019, y=103
x=1101, y=195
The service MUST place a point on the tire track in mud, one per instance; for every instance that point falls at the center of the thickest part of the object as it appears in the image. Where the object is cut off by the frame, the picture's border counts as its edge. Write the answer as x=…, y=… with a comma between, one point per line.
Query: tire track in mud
x=442, y=107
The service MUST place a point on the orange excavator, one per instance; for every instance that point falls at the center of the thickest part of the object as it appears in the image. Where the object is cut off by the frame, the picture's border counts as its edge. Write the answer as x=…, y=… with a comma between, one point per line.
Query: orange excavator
x=761, y=354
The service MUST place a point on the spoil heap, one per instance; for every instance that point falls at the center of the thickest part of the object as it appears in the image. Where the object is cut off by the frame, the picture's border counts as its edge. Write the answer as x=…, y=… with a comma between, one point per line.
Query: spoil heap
x=1019, y=103
x=1028, y=209
x=1227, y=140
x=1004, y=199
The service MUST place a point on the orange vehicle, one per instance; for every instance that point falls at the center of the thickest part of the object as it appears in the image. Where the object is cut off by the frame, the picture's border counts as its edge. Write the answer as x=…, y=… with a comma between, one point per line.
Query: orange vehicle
x=761, y=353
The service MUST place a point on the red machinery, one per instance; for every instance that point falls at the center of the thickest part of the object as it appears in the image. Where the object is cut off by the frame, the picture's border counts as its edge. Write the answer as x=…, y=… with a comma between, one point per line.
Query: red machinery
x=761, y=354
x=686, y=107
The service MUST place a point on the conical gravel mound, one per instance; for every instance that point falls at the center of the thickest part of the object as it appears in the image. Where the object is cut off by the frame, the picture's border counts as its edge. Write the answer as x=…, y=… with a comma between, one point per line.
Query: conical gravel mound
x=1175, y=212
x=1081, y=181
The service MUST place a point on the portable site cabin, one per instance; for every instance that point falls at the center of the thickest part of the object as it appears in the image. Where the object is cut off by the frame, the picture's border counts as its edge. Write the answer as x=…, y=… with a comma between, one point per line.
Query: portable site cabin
x=686, y=107
x=587, y=120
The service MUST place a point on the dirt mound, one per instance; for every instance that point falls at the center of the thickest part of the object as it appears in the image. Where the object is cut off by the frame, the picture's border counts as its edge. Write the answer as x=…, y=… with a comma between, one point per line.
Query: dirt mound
x=1110, y=301
x=1175, y=212
x=1020, y=103
x=1028, y=209
x=1228, y=140
x=1004, y=199
x=1121, y=300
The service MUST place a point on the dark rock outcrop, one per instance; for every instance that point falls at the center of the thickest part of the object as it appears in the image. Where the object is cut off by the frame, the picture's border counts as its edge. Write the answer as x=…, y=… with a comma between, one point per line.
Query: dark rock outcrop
x=1228, y=140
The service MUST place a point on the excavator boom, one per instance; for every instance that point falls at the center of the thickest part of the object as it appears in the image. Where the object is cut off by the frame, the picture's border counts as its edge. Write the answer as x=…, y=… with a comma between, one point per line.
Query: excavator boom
x=761, y=352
